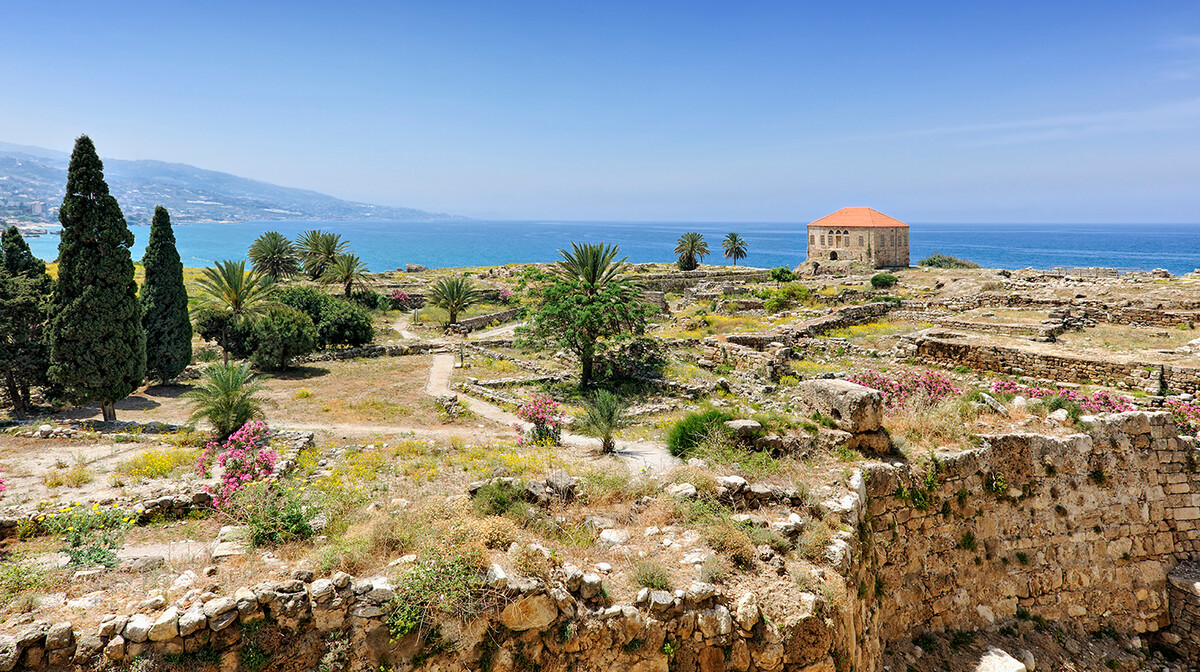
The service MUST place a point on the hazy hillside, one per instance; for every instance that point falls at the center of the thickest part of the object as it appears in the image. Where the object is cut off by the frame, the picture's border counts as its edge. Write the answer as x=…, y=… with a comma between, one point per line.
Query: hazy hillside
x=32, y=174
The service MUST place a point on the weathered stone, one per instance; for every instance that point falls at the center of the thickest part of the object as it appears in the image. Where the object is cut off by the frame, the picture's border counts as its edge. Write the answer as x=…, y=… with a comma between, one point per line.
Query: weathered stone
x=997, y=660
x=853, y=408
x=87, y=647
x=744, y=428
x=531, y=612
x=682, y=490
x=614, y=536
x=746, y=614
x=59, y=636
x=165, y=627
x=192, y=620
x=115, y=649
x=219, y=606
x=590, y=586
x=138, y=628
x=9, y=653
x=222, y=620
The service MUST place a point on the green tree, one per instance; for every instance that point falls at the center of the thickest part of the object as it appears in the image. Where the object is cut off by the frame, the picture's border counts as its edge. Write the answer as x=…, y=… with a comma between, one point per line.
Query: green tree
x=274, y=256
x=25, y=291
x=454, y=295
x=594, y=264
x=165, y=303
x=280, y=335
x=97, y=346
x=318, y=249
x=577, y=315
x=226, y=398
x=734, y=247
x=346, y=270
x=603, y=416
x=233, y=298
x=691, y=248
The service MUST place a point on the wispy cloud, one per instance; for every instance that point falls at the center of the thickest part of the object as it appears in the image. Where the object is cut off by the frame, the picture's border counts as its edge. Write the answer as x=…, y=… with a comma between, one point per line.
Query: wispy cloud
x=1185, y=57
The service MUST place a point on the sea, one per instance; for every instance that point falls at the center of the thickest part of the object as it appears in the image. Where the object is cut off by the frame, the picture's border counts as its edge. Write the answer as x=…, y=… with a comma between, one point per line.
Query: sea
x=385, y=245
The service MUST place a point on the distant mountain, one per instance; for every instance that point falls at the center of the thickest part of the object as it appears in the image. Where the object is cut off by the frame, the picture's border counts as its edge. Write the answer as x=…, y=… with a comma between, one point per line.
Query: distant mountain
x=33, y=175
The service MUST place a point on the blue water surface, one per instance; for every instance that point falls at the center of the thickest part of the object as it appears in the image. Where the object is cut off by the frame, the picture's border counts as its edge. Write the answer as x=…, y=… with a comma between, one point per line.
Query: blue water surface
x=385, y=245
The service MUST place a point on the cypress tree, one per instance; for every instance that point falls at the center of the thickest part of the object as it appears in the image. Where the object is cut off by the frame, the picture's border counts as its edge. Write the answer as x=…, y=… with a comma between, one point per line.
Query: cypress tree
x=165, y=303
x=24, y=308
x=97, y=346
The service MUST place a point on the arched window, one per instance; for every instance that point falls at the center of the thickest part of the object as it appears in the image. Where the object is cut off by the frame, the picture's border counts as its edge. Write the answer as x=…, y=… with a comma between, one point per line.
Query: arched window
x=822, y=240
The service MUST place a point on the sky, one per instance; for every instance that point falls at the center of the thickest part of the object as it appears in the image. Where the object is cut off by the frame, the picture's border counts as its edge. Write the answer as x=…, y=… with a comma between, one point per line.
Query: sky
x=1065, y=111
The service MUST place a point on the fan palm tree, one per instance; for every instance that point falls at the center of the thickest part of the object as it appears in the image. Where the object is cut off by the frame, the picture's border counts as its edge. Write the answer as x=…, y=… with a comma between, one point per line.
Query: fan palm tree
x=318, y=249
x=734, y=247
x=226, y=398
x=228, y=289
x=274, y=256
x=691, y=248
x=593, y=263
x=454, y=295
x=346, y=270
x=603, y=416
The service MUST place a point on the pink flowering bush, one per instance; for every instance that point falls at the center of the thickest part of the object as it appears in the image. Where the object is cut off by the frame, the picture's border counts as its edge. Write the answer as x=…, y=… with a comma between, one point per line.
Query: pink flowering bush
x=506, y=295
x=1100, y=401
x=546, y=415
x=1187, y=416
x=907, y=387
x=2, y=486
x=400, y=299
x=246, y=457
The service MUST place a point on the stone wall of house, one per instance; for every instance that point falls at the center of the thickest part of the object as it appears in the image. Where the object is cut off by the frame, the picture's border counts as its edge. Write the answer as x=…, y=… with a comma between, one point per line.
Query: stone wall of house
x=1082, y=529
x=949, y=351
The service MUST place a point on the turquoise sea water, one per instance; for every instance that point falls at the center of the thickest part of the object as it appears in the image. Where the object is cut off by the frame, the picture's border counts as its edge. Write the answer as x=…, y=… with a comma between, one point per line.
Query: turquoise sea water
x=385, y=245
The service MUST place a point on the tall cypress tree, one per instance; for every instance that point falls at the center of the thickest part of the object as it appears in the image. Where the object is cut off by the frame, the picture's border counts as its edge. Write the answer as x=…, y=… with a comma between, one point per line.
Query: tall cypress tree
x=24, y=308
x=97, y=346
x=164, y=303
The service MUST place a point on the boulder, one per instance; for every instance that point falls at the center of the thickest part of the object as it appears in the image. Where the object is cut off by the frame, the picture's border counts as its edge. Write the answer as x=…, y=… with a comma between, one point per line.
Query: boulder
x=746, y=614
x=138, y=628
x=682, y=491
x=997, y=660
x=532, y=612
x=9, y=653
x=744, y=428
x=853, y=408
x=614, y=536
x=166, y=626
x=60, y=636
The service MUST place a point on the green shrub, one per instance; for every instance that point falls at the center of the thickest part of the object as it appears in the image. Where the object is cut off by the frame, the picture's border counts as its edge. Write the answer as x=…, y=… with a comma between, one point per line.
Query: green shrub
x=273, y=511
x=499, y=498
x=939, y=260
x=781, y=274
x=436, y=589
x=280, y=335
x=234, y=334
x=90, y=535
x=883, y=280
x=652, y=574
x=794, y=291
x=694, y=428
x=370, y=299
x=775, y=304
x=344, y=323
x=894, y=300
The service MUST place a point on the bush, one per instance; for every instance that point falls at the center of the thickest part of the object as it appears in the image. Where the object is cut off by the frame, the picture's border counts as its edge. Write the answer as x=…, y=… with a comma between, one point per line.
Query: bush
x=781, y=274
x=497, y=532
x=343, y=323
x=273, y=512
x=499, y=498
x=435, y=590
x=90, y=535
x=775, y=304
x=629, y=358
x=280, y=335
x=233, y=334
x=794, y=291
x=226, y=397
x=883, y=280
x=652, y=574
x=547, y=418
x=694, y=428
x=370, y=299
x=939, y=260
x=246, y=456
x=307, y=300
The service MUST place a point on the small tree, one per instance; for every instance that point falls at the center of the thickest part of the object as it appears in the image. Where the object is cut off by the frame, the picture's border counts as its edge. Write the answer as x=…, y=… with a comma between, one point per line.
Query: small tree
x=574, y=316
x=454, y=295
x=343, y=323
x=280, y=335
x=165, y=303
x=25, y=291
x=734, y=247
x=691, y=248
x=346, y=270
x=230, y=298
x=226, y=398
x=883, y=280
x=97, y=345
x=274, y=256
x=602, y=418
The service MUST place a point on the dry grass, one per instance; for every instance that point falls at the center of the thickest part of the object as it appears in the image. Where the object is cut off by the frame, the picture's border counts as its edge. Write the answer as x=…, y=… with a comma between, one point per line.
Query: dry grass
x=923, y=427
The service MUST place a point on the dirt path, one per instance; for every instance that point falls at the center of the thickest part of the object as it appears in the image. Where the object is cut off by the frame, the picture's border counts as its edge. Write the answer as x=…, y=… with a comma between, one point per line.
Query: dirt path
x=639, y=455
x=400, y=326
x=503, y=331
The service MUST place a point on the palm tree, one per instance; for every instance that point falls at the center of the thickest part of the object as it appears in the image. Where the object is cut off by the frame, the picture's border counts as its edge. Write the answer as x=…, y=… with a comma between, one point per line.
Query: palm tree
x=691, y=248
x=735, y=247
x=593, y=263
x=226, y=398
x=454, y=295
x=346, y=270
x=603, y=416
x=274, y=256
x=227, y=289
x=318, y=249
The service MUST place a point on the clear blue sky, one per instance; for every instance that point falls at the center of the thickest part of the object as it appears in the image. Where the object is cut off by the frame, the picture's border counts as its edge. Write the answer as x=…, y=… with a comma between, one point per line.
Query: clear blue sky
x=968, y=111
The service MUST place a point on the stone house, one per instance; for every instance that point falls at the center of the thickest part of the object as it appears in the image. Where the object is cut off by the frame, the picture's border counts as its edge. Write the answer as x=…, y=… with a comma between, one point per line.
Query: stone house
x=859, y=234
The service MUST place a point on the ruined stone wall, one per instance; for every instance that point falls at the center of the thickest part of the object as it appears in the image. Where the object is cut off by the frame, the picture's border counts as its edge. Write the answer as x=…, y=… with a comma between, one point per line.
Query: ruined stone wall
x=1064, y=368
x=681, y=280
x=1099, y=311
x=1081, y=529
x=941, y=319
x=472, y=323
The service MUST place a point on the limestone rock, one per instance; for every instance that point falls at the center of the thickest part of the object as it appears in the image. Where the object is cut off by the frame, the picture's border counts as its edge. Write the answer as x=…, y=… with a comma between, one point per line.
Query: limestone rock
x=534, y=611
x=682, y=491
x=744, y=428
x=165, y=627
x=192, y=620
x=138, y=628
x=60, y=636
x=853, y=408
x=614, y=536
x=997, y=660
x=8, y=653
x=746, y=614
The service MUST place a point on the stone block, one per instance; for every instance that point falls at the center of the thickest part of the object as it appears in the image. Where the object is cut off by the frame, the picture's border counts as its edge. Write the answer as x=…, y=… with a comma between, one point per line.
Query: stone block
x=853, y=408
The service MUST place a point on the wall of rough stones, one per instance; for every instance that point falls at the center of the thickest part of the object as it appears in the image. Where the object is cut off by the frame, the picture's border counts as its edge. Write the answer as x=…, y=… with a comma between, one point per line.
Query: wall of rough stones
x=1064, y=368
x=1081, y=529
x=1100, y=311
x=1046, y=331
x=1183, y=594
x=472, y=323
x=679, y=281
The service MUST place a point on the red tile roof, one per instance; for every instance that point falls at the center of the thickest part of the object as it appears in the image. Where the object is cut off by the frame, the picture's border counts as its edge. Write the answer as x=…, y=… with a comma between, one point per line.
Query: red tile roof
x=857, y=217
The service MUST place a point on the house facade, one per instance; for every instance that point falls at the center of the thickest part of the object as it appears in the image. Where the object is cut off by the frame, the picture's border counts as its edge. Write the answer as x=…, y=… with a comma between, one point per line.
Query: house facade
x=859, y=234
